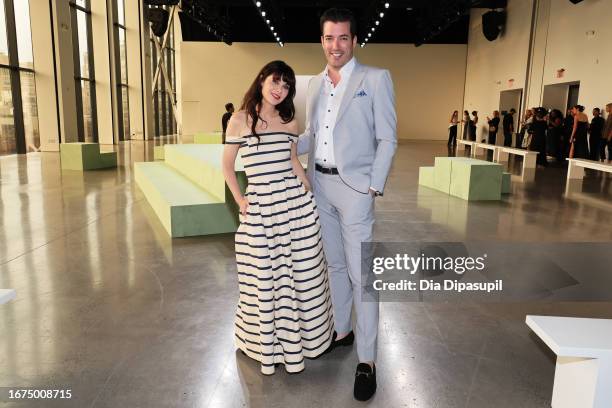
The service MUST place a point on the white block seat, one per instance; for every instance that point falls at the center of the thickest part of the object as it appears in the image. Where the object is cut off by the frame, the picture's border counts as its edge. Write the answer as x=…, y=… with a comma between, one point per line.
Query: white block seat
x=575, y=172
x=583, y=374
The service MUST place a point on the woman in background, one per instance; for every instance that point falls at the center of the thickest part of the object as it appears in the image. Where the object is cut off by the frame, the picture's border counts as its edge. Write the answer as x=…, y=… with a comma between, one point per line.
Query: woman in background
x=474, y=125
x=452, y=129
x=537, y=130
x=579, y=145
x=466, y=125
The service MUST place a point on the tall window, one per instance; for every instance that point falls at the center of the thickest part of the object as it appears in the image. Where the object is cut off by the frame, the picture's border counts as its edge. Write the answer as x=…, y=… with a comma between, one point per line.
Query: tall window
x=84, y=75
x=19, y=131
x=165, y=122
x=122, y=82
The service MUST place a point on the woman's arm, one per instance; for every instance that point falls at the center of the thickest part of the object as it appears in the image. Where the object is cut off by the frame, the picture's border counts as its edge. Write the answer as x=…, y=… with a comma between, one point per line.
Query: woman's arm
x=230, y=151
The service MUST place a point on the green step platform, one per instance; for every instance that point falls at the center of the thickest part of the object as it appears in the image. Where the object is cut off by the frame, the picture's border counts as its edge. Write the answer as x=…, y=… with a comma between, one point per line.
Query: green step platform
x=158, y=152
x=85, y=156
x=187, y=190
x=208, y=138
x=466, y=178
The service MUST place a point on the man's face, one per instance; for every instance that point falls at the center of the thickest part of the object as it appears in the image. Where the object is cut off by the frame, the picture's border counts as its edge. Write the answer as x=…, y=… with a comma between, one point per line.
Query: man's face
x=595, y=112
x=337, y=43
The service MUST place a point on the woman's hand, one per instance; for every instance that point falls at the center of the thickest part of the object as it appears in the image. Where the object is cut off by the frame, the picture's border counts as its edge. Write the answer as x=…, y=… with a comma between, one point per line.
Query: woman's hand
x=243, y=204
x=307, y=186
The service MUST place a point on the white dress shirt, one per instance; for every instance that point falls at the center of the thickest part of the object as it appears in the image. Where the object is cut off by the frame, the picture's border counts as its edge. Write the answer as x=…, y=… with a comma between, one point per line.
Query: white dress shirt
x=328, y=106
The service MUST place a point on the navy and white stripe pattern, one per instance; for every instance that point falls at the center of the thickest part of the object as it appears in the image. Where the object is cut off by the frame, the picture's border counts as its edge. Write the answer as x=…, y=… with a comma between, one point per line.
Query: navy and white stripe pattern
x=284, y=311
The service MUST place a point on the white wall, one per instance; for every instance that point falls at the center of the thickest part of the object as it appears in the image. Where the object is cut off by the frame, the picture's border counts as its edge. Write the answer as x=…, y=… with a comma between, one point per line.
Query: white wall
x=574, y=37
x=492, y=65
x=428, y=80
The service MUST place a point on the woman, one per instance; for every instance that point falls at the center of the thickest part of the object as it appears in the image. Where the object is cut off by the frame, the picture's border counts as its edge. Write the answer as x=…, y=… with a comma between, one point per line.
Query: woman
x=466, y=125
x=284, y=309
x=474, y=125
x=537, y=130
x=452, y=129
x=579, y=146
x=527, y=120
x=493, y=127
x=607, y=134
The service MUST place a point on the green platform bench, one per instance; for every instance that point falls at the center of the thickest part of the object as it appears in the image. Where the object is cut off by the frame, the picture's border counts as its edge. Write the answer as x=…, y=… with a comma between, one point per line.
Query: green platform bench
x=187, y=190
x=208, y=138
x=85, y=156
x=466, y=178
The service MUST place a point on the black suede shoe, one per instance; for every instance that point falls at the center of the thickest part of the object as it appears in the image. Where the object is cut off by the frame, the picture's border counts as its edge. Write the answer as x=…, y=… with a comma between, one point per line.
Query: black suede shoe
x=365, y=382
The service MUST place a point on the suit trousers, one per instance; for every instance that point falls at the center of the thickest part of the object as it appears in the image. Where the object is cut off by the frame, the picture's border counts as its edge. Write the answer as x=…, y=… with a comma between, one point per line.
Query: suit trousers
x=347, y=220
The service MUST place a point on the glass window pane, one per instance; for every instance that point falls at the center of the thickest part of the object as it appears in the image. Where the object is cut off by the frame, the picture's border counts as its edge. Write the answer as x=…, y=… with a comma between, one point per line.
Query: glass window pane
x=126, y=112
x=24, y=36
x=30, y=111
x=83, y=49
x=123, y=56
x=82, y=3
x=87, y=113
x=3, y=41
x=8, y=143
x=120, y=12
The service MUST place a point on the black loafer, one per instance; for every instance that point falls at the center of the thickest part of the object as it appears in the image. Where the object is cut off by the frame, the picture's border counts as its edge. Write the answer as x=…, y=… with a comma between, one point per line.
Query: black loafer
x=365, y=382
x=347, y=340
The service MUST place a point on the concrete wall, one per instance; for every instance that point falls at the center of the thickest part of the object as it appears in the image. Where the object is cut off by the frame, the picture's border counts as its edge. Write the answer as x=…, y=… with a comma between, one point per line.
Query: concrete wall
x=428, y=80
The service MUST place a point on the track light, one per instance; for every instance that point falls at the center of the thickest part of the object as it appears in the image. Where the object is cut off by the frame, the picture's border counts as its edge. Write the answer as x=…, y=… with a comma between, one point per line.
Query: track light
x=373, y=28
x=381, y=14
x=377, y=22
x=263, y=13
x=267, y=21
x=258, y=4
x=386, y=5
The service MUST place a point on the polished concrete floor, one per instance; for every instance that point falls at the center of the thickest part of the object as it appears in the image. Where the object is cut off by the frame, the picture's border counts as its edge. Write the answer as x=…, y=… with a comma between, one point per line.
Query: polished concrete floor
x=111, y=308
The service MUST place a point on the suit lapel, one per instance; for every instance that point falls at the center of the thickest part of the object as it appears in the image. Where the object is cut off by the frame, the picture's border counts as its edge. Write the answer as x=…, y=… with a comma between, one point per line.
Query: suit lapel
x=314, y=100
x=351, y=88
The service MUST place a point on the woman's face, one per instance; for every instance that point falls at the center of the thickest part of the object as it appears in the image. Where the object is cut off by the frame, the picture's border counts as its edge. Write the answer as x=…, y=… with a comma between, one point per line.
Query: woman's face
x=274, y=91
x=574, y=111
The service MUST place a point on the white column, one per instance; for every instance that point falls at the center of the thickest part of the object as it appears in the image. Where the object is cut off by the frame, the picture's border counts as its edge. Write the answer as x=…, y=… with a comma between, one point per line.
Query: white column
x=104, y=101
x=46, y=95
x=64, y=63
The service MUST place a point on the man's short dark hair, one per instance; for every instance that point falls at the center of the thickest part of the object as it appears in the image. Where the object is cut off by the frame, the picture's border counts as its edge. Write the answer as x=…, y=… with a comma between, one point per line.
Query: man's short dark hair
x=339, y=15
x=229, y=106
x=512, y=110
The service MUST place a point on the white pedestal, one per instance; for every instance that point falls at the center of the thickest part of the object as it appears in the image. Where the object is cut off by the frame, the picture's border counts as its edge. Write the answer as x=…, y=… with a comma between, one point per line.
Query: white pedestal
x=583, y=374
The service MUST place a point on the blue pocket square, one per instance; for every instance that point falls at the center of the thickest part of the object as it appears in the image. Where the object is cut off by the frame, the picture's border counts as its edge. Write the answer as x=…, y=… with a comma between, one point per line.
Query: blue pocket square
x=361, y=93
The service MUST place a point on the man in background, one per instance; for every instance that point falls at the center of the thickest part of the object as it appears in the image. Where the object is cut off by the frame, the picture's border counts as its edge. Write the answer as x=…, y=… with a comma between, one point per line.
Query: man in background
x=229, y=110
x=508, y=125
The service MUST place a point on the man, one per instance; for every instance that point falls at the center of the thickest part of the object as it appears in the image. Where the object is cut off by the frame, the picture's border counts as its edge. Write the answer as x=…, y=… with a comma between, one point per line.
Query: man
x=351, y=138
x=229, y=110
x=596, y=141
x=508, y=125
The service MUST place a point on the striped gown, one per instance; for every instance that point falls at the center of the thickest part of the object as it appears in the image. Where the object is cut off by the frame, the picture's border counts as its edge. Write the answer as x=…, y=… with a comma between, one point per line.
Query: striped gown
x=284, y=311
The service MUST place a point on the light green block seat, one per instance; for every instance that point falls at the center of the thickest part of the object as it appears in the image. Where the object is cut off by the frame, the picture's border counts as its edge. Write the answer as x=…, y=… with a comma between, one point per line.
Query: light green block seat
x=208, y=138
x=426, y=176
x=158, y=152
x=183, y=207
x=442, y=172
x=506, y=183
x=85, y=156
x=476, y=180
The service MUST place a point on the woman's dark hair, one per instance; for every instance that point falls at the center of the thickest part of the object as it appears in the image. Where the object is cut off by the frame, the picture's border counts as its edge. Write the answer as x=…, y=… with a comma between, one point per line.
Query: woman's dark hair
x=252, y=99
x=474, y=113
x=579, y=107
x=466, y=113
x=339, y=15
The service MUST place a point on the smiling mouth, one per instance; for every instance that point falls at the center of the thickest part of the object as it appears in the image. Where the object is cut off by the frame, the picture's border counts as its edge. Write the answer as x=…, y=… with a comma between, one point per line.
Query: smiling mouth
x=275, y=96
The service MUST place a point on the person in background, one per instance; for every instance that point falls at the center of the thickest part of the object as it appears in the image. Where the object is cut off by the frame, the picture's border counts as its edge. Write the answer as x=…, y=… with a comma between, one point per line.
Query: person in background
x=467, y=123
x=527, y=119
x=607, y=135
x=493, y=127
x=474, y=126
x=229, y=110
x=579, y=147
x=596, y=141
x=508, y=125
x=452, y=129
x=568, y=126
x=538, y=136
x=555, y=134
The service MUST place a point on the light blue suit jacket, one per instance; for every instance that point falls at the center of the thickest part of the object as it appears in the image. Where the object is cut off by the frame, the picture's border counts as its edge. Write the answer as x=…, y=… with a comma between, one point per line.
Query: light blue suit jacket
x=365, y=135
